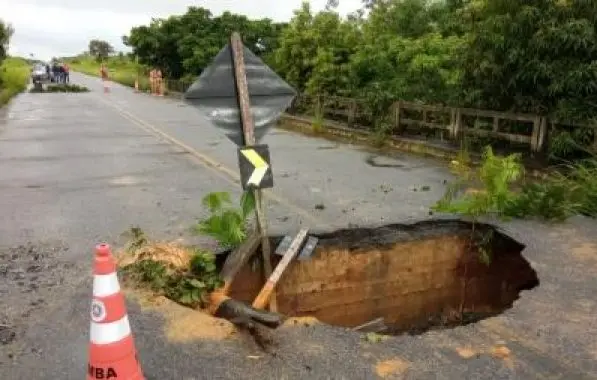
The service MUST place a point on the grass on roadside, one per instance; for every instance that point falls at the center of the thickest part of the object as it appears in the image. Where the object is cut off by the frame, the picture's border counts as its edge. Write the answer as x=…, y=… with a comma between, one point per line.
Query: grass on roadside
x=124, y=71
x=498, y=187
x=61, y=87
x=14, y=76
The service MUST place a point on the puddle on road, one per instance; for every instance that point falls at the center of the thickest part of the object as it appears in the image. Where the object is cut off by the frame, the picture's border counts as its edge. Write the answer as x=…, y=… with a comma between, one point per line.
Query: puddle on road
x=383, y=162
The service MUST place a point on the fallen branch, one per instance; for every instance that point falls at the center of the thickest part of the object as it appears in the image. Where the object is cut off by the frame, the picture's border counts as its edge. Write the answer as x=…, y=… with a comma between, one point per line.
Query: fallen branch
x=239, y=257
x=240, y=313
x=376, y=326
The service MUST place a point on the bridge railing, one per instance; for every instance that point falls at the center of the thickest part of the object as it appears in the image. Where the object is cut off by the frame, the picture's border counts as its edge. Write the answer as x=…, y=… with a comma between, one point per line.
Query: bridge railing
x=409, y=118
x=450, y=123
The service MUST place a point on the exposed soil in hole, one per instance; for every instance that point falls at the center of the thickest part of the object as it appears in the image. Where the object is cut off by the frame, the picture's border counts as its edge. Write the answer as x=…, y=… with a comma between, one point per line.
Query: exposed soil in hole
x=417, y=277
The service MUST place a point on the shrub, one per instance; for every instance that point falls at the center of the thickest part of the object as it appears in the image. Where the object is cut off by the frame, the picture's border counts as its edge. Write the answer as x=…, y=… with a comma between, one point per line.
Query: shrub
x=158, y=268
x=502, y=191
x=226, y=224
x=14, y=76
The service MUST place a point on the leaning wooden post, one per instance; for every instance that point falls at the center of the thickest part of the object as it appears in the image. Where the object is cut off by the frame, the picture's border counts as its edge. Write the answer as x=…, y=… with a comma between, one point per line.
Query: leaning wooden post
x=242, y=95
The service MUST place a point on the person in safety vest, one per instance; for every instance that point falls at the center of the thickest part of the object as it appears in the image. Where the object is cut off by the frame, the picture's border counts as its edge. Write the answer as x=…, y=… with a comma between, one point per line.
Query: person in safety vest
x=105, y=78
x=152, y=81
x=159, y=82
x=66, y=73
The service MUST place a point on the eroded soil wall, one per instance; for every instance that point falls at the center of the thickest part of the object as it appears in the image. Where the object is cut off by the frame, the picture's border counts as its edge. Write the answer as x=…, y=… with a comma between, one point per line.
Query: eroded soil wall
x=352, y=279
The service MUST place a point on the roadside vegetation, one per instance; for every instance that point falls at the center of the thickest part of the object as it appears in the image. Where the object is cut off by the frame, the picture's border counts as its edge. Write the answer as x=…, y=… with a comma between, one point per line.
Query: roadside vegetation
x=14, y=72
x=505, y=55
x=182, y=274
x=121, y=68
x=187, y=275
x=14, y=76
x=498, y=188
x=60, y=87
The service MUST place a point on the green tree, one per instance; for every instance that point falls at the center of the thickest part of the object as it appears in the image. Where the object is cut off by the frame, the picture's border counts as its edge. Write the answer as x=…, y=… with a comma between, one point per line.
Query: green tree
x=6, y=32
x=184, y=45
x=314, y=51
x=100, y=50
x=535, y=56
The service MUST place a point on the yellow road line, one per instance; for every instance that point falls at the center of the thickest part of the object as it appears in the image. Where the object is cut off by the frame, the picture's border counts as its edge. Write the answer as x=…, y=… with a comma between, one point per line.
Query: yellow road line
x=223, y=171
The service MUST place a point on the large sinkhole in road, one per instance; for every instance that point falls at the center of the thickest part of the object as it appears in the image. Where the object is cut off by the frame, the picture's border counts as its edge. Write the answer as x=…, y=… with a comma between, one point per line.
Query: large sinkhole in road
x=417, y=277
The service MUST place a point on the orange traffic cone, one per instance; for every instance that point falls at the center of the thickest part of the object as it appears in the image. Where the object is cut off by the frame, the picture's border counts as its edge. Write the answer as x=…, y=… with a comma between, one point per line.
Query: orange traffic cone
x=112, y=353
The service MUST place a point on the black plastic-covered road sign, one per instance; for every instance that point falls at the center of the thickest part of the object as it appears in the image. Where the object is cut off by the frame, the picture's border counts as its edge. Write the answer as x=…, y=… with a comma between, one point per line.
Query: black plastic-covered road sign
x=214, y=93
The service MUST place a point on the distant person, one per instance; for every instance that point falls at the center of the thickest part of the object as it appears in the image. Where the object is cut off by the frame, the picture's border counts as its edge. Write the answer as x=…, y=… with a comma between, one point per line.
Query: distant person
x=152, y=80
x=55, y=72
x=159, y=82
x=66, y=73
x=61, y=73
x=105, y=78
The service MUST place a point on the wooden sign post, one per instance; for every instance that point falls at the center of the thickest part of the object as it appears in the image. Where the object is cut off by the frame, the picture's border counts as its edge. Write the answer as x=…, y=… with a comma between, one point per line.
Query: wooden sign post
x=248, y=127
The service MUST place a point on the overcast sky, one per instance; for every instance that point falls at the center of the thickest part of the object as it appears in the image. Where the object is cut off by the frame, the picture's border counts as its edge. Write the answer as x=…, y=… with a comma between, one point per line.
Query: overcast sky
x=54, y=28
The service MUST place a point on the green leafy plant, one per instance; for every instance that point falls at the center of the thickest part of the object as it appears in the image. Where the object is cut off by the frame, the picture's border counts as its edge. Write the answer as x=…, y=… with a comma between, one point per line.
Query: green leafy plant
x=318, y=119
x=188, y=286
x=381, y=132
x=493, y=196
x=227, y=224
x=202, y=278
x=568, y=192
x=499, y=190
x=495, y=177
x=149, y=272
x=63, y=87
x=138, y=239
x=374, y=338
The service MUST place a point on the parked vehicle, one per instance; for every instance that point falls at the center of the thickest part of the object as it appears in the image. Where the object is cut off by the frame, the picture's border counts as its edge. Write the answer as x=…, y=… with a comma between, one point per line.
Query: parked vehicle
x=40, y=73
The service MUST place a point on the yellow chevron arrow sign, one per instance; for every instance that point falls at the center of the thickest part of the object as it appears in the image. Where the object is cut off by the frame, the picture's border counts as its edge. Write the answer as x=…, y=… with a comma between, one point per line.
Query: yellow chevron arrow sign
x=257, y=156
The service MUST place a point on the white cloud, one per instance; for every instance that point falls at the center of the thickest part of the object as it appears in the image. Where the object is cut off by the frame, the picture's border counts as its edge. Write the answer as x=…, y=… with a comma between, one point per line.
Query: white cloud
x=51, y=28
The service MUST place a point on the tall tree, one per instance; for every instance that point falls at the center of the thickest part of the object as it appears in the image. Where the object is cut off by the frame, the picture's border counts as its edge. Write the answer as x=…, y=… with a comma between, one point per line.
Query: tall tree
x=6, y=32
x=100, y=49
x=535, y=56
x=315, y=49
x=184, y=45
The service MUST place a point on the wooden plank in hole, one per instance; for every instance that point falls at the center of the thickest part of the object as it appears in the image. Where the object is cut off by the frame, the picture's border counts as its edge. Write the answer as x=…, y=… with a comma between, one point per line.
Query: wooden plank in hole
x=262, y=299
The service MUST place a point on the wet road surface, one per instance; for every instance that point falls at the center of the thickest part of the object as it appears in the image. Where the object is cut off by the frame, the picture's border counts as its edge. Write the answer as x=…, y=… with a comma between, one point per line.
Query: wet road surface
x=76, y=169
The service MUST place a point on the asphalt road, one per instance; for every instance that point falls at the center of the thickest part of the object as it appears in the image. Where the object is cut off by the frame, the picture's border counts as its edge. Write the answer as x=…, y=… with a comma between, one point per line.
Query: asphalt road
x=77, y=169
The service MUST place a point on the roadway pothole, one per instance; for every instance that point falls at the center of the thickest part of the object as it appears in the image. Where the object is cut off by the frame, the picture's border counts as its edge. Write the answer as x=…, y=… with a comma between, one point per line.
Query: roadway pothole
x=416, y=277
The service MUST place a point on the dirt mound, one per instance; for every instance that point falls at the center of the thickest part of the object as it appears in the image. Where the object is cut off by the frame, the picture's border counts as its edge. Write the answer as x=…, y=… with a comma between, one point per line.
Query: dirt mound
x=173, y=255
